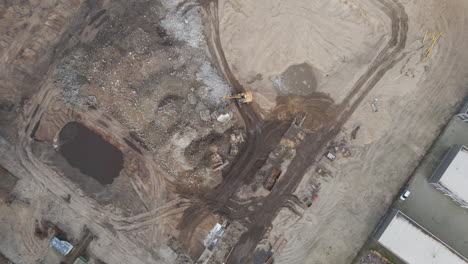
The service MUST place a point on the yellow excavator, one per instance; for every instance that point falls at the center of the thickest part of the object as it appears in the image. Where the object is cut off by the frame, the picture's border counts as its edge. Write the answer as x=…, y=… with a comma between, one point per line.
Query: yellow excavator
x=242, y=98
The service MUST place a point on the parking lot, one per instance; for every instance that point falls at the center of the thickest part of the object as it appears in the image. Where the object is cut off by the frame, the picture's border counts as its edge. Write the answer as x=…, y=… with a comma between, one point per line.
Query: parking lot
x=428, y=206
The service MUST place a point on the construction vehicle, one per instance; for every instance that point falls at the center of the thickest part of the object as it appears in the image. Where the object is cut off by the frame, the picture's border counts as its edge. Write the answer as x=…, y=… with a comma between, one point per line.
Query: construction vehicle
x=241, y=98
x=276, y=249
x=435, y=37
x=272, y=179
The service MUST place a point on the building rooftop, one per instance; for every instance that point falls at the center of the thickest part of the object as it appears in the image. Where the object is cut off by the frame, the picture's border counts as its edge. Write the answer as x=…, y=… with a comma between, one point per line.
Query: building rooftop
x=451, y=176
x=412, y=243
x=455, y=177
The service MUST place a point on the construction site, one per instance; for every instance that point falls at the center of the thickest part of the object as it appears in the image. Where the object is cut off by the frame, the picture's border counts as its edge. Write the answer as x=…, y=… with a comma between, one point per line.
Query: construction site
x=217, y=131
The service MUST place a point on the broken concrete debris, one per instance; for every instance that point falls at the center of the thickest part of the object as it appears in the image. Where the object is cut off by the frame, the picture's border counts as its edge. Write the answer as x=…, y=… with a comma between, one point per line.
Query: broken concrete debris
x=205, y=115
x=223, y=118
x=218, y=163
x=233, y=150
x=216, y=159
x=374, y=105
x=337, y=149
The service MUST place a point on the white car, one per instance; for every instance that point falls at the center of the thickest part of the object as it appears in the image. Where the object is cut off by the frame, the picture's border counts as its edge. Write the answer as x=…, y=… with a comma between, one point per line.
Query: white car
x=405, y=195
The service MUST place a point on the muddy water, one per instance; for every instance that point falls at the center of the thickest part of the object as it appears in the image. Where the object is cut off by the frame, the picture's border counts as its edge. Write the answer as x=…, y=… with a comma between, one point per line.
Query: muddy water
x=298, y=80
x=90, y=153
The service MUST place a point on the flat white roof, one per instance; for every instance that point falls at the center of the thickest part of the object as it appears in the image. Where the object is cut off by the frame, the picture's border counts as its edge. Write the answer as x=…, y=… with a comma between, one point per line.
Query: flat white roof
x=455, y=177
x=415, y=245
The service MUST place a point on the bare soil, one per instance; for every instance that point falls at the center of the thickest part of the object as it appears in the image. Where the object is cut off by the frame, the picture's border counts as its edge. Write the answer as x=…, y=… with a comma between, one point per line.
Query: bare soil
x=110, y=121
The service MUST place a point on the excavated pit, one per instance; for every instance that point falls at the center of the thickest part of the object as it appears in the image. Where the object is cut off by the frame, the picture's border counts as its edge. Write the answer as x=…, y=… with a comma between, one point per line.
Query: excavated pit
x=90, y=153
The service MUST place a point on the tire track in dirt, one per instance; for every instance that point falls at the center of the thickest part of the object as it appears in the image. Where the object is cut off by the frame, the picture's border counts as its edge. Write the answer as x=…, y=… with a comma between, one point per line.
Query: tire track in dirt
x=315, y=142
x=111, y=227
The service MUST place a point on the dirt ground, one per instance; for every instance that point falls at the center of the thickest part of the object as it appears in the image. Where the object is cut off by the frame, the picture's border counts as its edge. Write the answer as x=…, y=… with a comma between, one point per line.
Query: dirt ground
x=415, y=99
x=112, y=118
x=119, y=111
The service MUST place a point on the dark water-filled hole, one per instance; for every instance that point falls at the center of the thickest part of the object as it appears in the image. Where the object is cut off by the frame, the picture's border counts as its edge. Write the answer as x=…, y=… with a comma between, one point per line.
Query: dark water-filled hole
x=90, y=153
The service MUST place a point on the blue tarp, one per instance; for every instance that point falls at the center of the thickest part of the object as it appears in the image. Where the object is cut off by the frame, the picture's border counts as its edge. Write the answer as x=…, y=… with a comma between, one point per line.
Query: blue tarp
x=61, y=245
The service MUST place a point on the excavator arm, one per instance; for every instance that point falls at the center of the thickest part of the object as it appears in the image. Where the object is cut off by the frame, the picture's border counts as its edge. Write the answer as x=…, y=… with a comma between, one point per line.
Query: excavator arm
x=237, y=96
x=246, y=97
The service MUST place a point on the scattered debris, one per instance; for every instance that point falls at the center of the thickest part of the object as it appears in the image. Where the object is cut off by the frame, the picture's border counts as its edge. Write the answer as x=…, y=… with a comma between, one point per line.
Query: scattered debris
x=374, y=105
x=373, y=257
x=337, y=149
x=228, y=255
x=205, y=115
x=272, y=179
x=309, y=199
x=354, y=132
x=322, y=171
x=92, y=100
x=191, y=99
x=223, y=118
x=216, y=159
x=218, y=163
x=345, y=152
x=233, y=150
x=299, y=119
x=221, y=166
x=215, y=87
x=70, y=80
x=330, y=156
x=236, y=139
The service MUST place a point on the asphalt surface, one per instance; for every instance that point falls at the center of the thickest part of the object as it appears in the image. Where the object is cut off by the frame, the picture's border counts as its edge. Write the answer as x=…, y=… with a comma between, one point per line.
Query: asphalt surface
x=428, y=206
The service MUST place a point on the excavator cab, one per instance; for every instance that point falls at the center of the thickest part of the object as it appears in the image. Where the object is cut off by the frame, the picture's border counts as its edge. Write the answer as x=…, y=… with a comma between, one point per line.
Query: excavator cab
x=241, y=98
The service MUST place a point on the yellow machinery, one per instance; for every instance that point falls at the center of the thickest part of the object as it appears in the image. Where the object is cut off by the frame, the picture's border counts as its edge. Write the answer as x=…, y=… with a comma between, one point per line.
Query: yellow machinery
x=435, y=37
x=242, y=98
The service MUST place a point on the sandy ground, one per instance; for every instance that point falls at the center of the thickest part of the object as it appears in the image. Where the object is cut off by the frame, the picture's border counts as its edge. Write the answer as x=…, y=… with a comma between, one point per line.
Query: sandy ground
x=337, y=39
x=143, y=76
x=415, y=99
